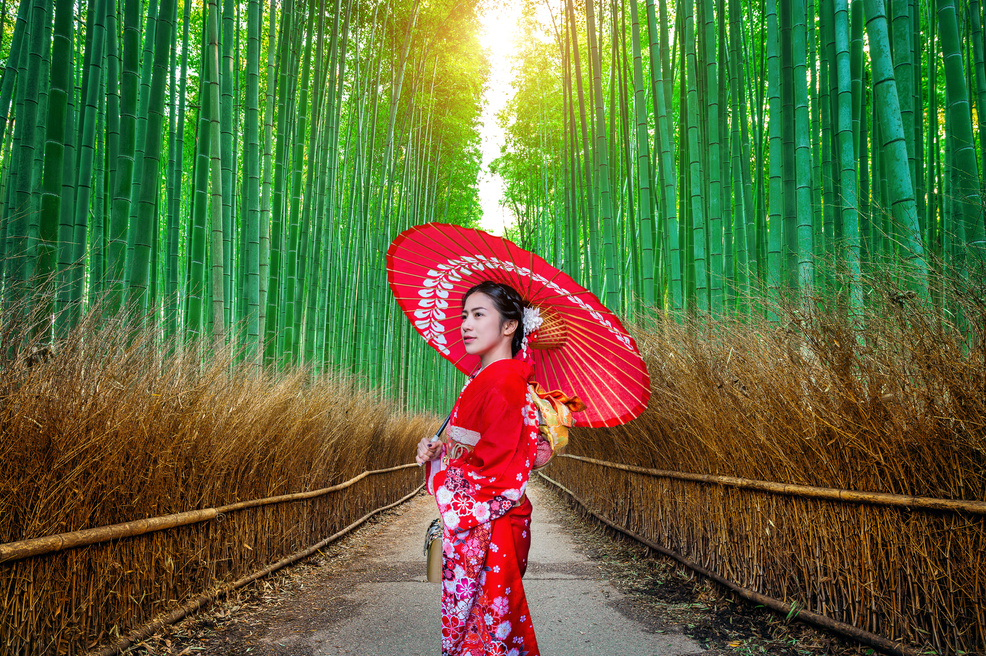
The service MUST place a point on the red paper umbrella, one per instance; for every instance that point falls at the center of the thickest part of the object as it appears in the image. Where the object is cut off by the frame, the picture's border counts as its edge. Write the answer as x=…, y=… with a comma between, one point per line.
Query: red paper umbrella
x=581, y=348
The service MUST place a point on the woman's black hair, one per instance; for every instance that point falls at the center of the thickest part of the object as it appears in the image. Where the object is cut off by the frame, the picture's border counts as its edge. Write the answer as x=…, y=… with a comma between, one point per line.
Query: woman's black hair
x=507, y=302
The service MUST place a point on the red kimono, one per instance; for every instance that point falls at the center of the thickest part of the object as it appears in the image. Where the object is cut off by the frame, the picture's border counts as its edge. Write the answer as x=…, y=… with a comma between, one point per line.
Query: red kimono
x=479, y=485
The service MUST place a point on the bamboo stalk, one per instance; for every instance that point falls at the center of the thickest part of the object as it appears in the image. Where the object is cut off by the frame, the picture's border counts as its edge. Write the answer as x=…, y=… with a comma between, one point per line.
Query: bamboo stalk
x=806, y=491
x=207, y=598
x=12, y=551
x=847, y=630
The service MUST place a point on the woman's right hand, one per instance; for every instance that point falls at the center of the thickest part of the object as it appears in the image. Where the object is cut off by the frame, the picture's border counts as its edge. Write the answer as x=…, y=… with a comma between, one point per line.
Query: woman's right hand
x=427, y=450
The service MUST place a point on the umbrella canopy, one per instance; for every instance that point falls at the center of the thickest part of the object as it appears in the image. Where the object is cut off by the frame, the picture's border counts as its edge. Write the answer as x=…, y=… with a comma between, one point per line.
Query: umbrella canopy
x=581, y=348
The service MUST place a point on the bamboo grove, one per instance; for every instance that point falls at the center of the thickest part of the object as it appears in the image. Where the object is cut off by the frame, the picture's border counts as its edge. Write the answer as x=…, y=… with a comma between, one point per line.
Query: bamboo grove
x=237, y=167
x=713, y=156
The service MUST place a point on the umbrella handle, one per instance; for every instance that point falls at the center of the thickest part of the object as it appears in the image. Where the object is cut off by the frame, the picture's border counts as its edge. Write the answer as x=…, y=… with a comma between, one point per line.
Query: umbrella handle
x=441, y=429
x=437, y=437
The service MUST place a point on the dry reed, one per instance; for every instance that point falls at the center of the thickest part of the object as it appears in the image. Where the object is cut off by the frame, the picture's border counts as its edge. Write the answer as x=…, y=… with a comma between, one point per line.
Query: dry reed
x=112, y=425
x=891, y=402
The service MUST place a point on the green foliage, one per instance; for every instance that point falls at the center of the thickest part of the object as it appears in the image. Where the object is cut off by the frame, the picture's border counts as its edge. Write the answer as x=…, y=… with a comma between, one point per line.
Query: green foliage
x=790, y=148
x=363, y=142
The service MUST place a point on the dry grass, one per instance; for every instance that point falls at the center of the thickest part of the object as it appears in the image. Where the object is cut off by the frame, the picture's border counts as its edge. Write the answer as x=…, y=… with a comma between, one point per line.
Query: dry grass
x=113, y=426
x=897, y=406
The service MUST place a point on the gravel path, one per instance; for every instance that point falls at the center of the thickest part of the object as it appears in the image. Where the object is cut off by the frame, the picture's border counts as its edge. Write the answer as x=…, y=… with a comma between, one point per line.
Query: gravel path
x=384, y=606
x=589, y=595
x=369, y=596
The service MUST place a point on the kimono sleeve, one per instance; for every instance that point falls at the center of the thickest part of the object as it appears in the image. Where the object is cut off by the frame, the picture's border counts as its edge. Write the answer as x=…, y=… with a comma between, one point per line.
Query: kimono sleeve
x=484, y=484
x=433, y=468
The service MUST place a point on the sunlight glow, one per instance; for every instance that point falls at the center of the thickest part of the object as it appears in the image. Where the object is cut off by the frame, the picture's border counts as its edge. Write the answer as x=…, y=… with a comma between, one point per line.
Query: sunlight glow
x=500, y=24
x=501, y=29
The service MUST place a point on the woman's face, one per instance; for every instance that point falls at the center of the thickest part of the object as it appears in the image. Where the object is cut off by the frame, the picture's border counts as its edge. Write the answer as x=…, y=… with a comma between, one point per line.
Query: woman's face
x=481, y=331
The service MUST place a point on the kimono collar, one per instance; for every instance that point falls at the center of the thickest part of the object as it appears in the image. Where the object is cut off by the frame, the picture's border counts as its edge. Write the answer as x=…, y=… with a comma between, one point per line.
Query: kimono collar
x=506, y=365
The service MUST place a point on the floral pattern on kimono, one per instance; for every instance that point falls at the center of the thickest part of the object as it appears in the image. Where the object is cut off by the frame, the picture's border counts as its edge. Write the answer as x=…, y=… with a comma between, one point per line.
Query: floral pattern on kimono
x=480, y=495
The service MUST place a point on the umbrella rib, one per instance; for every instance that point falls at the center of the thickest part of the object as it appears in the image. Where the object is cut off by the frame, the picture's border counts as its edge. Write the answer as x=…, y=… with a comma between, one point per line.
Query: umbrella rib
x=593, y=396
x=548, y=363
x=487, y=248
x=396, y=257
x=554, y=295
x=446, y=246
x=533, y=293
x=620, y=355
x=605, y=390
x=582, y=348
x=579, y=290
x=610, y=403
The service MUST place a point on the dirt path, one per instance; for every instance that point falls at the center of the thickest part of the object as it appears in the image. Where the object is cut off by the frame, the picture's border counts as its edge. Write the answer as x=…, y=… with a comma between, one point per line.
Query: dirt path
x=589, y=595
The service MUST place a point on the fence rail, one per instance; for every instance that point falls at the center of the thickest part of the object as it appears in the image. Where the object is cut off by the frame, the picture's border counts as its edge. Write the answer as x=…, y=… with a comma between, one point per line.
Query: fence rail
x=54, y=543
x=807, y=491
x=65, y=593
x=202, y=600
x=903, y=574
x=790, y=610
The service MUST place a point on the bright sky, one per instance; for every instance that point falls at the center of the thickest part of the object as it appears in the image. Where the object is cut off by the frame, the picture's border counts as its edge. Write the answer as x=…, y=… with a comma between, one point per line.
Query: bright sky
x=500, y=24
x=499, y=38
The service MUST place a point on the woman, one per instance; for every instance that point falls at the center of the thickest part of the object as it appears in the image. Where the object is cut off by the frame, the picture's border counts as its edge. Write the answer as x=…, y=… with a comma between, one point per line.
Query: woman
x=479, y=479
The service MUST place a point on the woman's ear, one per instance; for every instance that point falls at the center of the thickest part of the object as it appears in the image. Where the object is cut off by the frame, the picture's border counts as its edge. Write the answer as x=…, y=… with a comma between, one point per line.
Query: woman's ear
x=509, y=327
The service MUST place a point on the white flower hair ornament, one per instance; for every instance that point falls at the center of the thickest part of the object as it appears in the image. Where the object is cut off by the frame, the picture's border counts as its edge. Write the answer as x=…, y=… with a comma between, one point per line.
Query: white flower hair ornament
x=532, y=321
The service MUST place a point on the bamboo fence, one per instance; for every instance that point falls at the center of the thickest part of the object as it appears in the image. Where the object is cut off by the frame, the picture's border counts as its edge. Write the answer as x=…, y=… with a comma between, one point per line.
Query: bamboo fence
x=910, y=571
x=70, y=593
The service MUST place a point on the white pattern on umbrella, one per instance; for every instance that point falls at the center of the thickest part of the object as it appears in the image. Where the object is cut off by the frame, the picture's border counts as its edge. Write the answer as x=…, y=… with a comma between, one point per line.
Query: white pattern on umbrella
x=439, y=282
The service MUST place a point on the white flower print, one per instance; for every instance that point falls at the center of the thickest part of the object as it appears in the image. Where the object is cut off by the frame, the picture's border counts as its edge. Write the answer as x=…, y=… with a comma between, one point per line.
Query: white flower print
x=437, y=284
x=443, y=496
x=493, y=547
x=451, y=521
x=503, y=630
x=462, y=607
x=501, y=605
x=481, y=511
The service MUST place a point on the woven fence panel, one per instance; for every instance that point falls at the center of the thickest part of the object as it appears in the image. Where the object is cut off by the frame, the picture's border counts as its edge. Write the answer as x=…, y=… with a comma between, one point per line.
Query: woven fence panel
x=69, y=601
x=914, y=576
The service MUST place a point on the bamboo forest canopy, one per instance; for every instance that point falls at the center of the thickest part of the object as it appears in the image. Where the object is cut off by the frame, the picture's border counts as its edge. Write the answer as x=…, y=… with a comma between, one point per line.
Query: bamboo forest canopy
x=237, y=168
x=719, y=156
